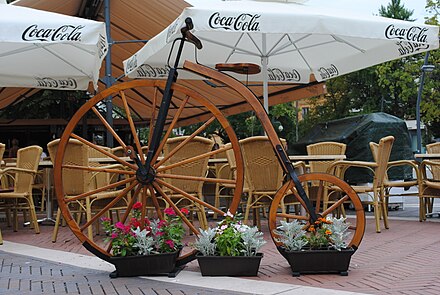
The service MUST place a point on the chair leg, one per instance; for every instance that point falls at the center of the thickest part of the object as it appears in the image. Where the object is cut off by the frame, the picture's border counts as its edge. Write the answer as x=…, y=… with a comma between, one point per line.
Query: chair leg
x=57, y=225
x=33, y=215
x=1, y=237
x=248, y=208
x=216, y=199
x=377, y=216
x=385, y=215
x=88, y=218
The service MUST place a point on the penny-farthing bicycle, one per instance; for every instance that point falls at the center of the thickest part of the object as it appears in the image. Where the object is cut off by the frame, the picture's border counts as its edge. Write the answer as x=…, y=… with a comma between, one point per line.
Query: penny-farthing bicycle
x=144, y=177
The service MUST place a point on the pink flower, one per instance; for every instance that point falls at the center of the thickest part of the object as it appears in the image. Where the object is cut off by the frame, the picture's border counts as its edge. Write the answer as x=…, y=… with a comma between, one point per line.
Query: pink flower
x=184, y=211
x=120, y=225
x=170, y=243
x=159, y=234
x=114, y=235
x=169, y=211
x=105, y=219
x=161, y=224
x=137, y=205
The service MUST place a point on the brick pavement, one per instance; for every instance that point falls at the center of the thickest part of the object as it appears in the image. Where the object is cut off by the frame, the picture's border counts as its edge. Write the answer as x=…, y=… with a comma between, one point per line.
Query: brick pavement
x=26, y=275
x=402, y=260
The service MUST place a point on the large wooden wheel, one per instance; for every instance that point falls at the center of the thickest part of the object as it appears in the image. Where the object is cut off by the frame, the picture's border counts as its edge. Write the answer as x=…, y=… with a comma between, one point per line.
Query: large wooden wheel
x=154, y=191
x=287, y=206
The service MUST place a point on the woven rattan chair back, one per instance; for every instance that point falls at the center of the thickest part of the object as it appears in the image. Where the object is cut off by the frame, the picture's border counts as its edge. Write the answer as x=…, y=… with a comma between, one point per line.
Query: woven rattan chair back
x=197, y=145
x=75, y=181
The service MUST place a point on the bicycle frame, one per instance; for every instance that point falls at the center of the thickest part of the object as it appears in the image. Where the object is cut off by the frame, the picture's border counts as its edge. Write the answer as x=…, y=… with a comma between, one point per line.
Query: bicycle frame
x=233, y=84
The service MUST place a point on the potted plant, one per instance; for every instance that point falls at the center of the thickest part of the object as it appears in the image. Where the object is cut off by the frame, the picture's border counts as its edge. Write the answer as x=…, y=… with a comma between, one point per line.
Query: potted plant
x=144, y=246
x=318, y=248
x=229, y=249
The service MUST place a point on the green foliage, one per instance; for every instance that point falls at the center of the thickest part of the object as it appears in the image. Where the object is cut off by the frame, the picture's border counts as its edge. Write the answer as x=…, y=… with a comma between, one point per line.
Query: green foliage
x=230, y=238
x=329, y=232
x=396, y=10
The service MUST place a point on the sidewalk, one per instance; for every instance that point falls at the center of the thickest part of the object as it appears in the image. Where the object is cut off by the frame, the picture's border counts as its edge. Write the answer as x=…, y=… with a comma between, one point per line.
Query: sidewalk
x=402, y=260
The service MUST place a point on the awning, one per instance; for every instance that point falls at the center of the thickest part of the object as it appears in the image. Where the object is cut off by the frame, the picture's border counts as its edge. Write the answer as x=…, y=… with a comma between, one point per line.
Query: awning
x=141, y=20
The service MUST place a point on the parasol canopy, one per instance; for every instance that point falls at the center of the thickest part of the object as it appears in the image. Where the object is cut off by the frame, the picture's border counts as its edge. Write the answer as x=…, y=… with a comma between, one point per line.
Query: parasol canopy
x=40, y=49
x=293, y=43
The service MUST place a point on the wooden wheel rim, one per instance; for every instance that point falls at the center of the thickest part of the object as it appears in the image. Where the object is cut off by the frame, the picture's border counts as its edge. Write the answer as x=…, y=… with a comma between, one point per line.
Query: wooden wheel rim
x=359, y=217
x=69, y=130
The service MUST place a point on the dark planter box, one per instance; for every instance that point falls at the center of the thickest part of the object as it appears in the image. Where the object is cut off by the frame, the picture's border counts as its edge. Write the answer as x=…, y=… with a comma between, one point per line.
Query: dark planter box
x=155, y=264
x=234, y=266
x=318, y=261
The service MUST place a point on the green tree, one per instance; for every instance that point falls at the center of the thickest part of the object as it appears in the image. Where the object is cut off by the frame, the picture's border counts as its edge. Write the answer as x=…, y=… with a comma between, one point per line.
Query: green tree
x=396, y=10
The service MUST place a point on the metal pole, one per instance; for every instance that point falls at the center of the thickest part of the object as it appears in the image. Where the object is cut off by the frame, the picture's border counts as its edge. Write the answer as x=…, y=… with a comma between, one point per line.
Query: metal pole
x=108, y=73
x=419, y=98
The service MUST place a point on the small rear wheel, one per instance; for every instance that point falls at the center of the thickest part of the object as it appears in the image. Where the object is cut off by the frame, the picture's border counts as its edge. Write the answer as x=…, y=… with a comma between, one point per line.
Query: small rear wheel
x=329, y=194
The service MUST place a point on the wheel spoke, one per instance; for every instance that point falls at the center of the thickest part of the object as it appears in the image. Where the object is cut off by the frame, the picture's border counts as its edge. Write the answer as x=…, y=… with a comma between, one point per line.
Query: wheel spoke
x=108, y=206
x=99, y=169
x=188, y=196
x=170, y=128
x=186, y=161
x=153, y=113
x=155, y=202
x=176, y=209
x=338, y=203
x=194, y=134
x=108, y=127
x=117, y=159
x=132, y=127
x=196, y=178
x=100, y=189
x=319, y=195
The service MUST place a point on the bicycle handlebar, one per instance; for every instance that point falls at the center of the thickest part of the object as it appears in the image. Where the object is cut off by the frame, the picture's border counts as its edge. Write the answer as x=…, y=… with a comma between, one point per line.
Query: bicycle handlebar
x=188, y=35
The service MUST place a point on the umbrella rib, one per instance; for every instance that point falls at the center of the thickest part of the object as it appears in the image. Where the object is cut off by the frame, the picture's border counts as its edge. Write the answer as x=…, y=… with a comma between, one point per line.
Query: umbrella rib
x=66, y=61
x=233, y=49
x=269, y=53
x=256, y=45
x=339, y=39
x=243, y=51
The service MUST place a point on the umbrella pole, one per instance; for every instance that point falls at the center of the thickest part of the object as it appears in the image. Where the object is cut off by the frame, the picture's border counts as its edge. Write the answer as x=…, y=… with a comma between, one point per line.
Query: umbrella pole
x=264, y=61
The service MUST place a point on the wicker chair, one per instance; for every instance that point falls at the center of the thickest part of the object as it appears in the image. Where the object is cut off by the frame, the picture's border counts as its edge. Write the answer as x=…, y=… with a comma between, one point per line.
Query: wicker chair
x=226, y=171
x=375, y=193
x=20, y=197
x=198, y=145
x=430, y=184
x=325, y=148
x=263, y=175
x=76, y=182
x=401, y=188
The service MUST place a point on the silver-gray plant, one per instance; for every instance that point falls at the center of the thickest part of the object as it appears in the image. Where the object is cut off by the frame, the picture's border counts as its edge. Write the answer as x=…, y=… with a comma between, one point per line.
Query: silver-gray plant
x=144, y=243
x=252, y=240
x=339, y=228
x=291, y=235
x=205, y=242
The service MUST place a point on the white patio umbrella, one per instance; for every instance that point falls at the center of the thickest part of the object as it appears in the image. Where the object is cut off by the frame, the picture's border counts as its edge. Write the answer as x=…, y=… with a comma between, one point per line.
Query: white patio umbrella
x=290, y=41
x=40, y=49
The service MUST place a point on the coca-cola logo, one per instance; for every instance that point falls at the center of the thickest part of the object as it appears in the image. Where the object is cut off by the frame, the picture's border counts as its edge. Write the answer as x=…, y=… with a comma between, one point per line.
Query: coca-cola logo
x=276, y=74
x=405, y=48
x=412, y=34
x=102, y=46
x=47, y=82
x=148, y=71
x=172, y=29
x=328, y=72
x=62, y=33
x=242, y=22
x=131, y=64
